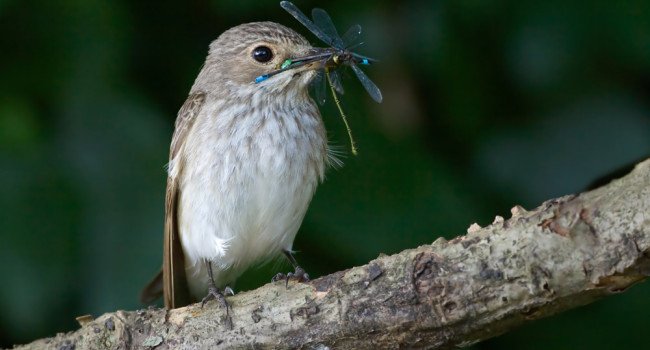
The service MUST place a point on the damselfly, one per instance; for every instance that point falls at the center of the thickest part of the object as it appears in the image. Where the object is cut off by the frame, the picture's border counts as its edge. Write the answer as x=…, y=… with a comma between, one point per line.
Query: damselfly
x=338, y=54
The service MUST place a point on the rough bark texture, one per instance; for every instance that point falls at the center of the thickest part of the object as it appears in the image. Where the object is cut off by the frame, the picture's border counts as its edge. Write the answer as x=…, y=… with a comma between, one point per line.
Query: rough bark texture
x=568, y=252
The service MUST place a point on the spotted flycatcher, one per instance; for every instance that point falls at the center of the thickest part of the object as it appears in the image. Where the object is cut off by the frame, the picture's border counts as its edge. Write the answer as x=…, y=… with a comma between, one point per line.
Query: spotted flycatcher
x=244, y=163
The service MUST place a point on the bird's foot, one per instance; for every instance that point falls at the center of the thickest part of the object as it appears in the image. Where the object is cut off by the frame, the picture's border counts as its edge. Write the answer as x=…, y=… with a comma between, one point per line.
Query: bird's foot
x=215, y=293
x=300, y=275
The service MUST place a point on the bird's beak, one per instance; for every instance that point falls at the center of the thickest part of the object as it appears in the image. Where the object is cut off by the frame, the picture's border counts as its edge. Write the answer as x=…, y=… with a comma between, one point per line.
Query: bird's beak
x=316, y=58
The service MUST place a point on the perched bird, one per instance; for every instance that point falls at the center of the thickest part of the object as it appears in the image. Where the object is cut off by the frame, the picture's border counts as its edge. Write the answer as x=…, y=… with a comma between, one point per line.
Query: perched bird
x=244, y=163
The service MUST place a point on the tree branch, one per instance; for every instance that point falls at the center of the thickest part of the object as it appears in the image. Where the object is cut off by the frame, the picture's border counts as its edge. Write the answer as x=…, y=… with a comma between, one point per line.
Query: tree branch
x=568, y=252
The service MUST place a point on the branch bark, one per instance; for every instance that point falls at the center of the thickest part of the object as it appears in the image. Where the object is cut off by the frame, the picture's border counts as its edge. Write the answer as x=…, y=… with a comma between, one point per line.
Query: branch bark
x=566, y=253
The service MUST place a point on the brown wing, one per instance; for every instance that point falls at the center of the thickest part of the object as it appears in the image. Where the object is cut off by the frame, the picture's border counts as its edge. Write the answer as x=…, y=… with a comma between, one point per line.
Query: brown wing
x=176, y=293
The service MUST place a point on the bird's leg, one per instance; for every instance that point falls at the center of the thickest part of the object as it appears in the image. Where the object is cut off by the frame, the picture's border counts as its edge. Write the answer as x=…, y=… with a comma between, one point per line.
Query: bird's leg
x=215, y=293
x=299, y=274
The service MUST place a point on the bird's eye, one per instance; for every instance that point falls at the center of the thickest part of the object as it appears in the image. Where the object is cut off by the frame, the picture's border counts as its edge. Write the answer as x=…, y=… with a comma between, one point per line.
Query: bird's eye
x=262, y=54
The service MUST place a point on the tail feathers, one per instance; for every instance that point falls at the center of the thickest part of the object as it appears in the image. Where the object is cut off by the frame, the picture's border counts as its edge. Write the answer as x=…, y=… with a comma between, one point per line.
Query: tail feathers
x=153, y=290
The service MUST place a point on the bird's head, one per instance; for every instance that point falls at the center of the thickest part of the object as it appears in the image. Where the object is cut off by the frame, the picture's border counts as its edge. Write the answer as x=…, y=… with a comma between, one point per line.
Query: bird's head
x=245, y=52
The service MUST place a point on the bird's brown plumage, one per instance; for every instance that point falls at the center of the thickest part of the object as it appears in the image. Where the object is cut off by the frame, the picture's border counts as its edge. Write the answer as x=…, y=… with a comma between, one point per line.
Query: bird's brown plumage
x=227, y=78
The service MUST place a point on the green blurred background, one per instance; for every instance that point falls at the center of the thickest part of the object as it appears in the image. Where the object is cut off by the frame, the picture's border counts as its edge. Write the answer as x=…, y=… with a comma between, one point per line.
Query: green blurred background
x=487, y=104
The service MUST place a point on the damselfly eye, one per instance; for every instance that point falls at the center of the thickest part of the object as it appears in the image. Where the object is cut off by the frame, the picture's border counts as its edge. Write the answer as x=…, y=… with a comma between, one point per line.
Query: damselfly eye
x=262, y=54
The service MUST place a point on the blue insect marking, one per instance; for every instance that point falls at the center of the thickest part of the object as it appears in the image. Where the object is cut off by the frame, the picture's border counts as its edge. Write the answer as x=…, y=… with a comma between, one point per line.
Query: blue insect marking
x=261, y=78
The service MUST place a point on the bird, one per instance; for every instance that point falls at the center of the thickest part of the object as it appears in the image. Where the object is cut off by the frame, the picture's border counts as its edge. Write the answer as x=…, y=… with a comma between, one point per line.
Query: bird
x=245, y=160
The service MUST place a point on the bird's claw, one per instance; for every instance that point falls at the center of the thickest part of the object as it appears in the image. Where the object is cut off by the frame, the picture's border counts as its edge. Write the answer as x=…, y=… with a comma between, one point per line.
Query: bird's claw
x=300, y=275
x=215, y=293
